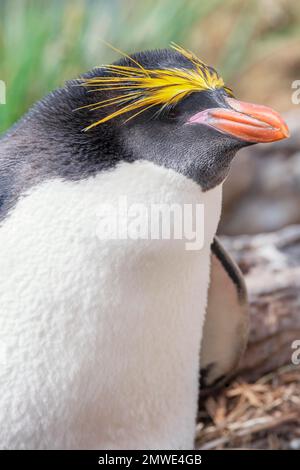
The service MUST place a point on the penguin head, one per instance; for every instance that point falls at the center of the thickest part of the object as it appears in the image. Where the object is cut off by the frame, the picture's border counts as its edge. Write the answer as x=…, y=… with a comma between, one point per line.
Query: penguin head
x=164, y=106
x=168, y=107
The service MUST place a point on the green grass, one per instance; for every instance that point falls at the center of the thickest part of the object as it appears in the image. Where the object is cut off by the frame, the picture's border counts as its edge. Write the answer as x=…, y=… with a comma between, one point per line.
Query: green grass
x=43, y=43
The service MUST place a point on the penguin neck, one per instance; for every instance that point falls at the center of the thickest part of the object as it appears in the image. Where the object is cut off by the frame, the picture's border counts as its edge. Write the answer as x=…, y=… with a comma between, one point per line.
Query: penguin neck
x=49, y=143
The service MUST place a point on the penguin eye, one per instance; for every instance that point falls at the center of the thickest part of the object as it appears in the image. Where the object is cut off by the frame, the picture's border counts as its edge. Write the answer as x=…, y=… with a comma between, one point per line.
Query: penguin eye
x=168, y=113
x=172, y=112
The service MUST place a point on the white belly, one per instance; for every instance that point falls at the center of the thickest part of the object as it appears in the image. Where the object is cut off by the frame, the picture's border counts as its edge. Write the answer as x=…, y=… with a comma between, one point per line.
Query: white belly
x=99, y=340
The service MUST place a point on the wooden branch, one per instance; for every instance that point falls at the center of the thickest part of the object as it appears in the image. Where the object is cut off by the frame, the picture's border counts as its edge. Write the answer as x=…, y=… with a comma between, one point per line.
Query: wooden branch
x=271, y=265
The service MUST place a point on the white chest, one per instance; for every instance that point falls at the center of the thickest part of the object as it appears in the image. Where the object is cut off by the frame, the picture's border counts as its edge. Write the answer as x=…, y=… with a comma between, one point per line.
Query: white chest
x=100, y=338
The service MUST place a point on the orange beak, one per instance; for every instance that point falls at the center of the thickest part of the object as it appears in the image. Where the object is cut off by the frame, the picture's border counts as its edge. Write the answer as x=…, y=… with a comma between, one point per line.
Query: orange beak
x=246, y=121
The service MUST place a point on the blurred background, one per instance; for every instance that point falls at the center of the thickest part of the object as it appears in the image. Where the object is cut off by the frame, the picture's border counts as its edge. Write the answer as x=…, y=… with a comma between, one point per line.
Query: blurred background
x=254, y=45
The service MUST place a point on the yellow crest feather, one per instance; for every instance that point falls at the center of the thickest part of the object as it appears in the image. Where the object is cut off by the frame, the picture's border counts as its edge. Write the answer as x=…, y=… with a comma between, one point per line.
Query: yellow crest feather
x=138, y=89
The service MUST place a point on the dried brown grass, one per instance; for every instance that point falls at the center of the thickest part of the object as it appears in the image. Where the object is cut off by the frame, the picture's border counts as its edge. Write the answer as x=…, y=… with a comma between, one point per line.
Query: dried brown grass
x=260, y=415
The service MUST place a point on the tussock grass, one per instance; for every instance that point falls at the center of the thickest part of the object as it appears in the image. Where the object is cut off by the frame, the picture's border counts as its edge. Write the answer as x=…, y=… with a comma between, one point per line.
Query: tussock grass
x=44, y=43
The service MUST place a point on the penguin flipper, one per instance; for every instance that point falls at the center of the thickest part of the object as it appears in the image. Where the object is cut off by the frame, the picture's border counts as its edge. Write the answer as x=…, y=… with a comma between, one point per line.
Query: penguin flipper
x=225, y=329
